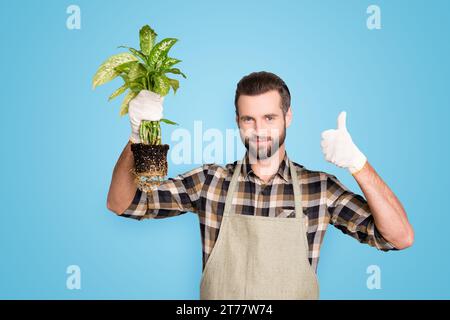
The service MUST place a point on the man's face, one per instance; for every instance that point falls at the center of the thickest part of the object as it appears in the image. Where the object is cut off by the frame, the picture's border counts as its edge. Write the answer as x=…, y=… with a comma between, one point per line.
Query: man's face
x=262, y=123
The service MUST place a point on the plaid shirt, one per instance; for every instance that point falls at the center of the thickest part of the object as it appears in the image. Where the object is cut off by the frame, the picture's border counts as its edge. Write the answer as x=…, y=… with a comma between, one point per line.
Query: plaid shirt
x=203, y=190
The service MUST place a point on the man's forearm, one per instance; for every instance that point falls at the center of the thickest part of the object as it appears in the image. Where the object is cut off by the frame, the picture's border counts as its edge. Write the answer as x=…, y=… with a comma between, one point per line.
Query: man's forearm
x=122, y=188
x=389, y=214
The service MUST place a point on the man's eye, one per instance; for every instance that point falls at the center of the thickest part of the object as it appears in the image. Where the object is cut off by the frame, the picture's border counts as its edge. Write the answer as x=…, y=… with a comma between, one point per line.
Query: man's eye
x=269, y=118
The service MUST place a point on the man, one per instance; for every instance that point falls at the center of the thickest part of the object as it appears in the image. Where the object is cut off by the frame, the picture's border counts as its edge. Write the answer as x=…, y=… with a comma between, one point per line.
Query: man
x=263, y=218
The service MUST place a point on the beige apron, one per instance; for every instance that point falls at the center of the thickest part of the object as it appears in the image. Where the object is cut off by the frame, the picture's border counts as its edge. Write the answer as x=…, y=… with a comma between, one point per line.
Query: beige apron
x=258, y=257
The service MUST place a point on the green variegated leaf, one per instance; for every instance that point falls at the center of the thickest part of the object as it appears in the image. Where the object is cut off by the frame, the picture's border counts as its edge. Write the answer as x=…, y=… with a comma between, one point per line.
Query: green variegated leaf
x=160, y=50
x=175, y=71
x=168, y=121
x=106, y=72
x=136, y=71
x=136, y=53
x=147, y=38
x=169, y=62
x=118, y=92
x=162, y=85
x=175, y=84
x=125, y=67
x=137, y=85
x=126, y=101
x=157, y=66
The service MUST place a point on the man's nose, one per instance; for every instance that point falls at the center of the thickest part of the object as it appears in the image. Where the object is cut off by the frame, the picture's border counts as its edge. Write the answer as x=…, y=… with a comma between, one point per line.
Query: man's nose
x=261, y=128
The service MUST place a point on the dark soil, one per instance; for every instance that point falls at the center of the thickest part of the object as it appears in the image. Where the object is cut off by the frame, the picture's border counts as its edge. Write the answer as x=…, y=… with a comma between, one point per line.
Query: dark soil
x=150, y=158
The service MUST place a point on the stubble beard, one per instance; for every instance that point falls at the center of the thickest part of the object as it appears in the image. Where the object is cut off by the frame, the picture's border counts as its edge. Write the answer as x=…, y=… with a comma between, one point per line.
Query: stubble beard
x=263, y=152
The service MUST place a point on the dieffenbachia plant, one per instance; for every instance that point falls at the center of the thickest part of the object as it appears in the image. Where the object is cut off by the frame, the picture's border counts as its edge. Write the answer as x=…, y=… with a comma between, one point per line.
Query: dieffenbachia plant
x=143, y=69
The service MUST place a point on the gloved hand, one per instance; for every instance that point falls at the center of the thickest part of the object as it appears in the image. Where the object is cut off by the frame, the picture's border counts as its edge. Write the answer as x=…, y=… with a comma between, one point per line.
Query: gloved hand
x=338, y=147
x=147, y=105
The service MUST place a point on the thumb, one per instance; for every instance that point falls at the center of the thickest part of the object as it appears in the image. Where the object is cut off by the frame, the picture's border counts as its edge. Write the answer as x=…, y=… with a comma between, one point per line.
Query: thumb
x=341, y=121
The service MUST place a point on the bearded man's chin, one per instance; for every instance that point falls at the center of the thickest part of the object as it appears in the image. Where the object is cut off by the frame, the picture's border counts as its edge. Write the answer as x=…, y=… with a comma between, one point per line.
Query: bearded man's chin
x=261, y=154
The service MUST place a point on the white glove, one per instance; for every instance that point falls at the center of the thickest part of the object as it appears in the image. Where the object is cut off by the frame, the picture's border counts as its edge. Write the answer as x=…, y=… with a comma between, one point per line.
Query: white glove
x=147, y=105
x=338, y=147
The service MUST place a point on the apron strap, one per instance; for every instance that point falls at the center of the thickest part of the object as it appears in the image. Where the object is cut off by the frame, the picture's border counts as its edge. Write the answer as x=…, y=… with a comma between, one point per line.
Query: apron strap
x=297, y=192
x=231, y=188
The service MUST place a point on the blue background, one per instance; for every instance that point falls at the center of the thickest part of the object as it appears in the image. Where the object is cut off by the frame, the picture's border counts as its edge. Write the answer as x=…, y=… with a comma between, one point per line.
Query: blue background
x=61, y=140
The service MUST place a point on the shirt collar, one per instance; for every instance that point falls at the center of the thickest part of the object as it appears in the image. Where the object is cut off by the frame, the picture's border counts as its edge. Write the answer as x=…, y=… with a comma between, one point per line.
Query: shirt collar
x=283, y=169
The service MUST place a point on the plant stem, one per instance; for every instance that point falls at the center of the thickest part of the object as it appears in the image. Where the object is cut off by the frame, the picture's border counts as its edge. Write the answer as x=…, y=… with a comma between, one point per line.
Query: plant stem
x=150, y=132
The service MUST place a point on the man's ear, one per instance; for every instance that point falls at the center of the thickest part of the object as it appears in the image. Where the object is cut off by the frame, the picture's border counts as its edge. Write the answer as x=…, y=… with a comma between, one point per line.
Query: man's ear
x=288, y=117
x=237, y=120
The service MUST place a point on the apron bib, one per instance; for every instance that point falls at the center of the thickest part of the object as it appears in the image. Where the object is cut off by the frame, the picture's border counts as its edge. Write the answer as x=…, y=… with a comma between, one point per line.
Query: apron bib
x=257, y=257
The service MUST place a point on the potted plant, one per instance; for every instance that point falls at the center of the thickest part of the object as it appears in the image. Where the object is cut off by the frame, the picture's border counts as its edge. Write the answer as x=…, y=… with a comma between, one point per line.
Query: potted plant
x=144, y=71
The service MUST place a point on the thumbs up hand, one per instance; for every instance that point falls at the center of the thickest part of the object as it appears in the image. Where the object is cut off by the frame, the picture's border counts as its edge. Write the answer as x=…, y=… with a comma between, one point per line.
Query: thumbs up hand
x=338, y=147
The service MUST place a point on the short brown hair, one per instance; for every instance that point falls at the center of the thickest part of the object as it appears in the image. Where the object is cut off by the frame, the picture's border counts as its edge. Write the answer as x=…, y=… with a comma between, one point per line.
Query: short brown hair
x=260, y=82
